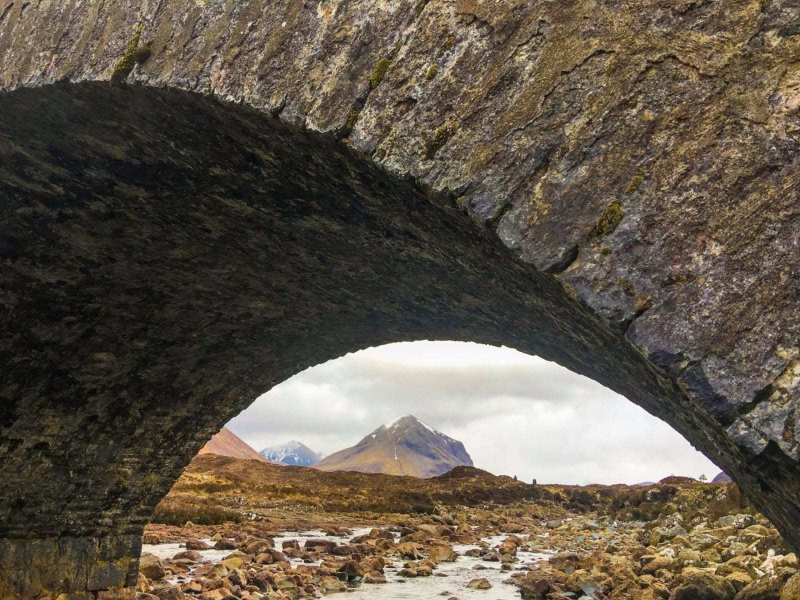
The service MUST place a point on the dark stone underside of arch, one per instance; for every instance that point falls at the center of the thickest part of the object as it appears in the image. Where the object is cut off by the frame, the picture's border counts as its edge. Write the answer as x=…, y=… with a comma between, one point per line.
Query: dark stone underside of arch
x=165, y=258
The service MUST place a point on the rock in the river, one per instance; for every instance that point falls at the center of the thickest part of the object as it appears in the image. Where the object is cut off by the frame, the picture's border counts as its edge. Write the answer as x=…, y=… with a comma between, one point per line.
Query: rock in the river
x=197, y=545
x=791, y=591
x=190, y=555
x=704, y=586
x=317, y=545
x=374, y=578
x=151, y=567
x=479, y=584
x=442, y=553
x=332, y=585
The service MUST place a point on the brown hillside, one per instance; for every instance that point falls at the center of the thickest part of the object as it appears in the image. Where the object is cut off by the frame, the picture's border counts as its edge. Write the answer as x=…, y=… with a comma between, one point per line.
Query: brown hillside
x=227, y=443
x=212, y=485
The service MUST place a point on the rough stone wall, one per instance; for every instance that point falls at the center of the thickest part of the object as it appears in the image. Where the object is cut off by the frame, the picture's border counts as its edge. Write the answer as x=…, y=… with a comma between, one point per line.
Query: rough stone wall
x=156, y=279
x=644, y=153
x=84, y=567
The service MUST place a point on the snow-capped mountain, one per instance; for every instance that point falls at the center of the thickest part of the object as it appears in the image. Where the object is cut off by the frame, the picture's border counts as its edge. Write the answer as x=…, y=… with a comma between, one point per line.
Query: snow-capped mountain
x=406, y=447
x=291, y=453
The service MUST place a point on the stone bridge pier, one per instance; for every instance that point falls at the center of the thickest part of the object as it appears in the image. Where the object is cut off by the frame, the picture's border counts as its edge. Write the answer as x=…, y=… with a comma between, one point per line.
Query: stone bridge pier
x=200, y=199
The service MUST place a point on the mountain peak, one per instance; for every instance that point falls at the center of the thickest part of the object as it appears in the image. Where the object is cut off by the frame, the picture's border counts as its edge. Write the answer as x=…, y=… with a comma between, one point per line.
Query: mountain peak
x=227, y=443
x=291, y=453
x=407, y=446
x=410, y=421
x=404, y=419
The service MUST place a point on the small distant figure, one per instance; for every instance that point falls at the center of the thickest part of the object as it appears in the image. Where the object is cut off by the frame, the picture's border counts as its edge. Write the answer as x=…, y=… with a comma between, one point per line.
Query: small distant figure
x=515, y=477
x=533, y=481
x=703, y=478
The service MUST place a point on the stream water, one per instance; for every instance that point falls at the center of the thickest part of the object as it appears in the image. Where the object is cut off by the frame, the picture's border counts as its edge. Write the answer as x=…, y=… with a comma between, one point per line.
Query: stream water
x=449, y=579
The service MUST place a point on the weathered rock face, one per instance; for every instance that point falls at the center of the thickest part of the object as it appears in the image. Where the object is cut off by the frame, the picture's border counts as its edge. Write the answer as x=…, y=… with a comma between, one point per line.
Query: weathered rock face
x=166, y=258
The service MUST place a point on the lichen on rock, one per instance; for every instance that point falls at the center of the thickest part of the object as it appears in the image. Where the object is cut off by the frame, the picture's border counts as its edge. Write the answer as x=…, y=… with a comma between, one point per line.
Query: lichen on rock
x=134, y=55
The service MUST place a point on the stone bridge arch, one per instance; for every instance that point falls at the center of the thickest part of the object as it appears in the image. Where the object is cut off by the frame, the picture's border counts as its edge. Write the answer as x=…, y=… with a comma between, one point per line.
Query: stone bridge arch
x=611, y=188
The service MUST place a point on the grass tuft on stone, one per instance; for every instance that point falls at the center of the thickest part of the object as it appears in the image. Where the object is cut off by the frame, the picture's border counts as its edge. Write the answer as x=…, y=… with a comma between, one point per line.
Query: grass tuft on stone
x=379, y=72
x=134, y=55
x=609, y=220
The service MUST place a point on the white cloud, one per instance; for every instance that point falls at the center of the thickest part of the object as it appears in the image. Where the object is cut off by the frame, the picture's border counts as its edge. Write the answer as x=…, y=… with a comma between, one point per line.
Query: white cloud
x=516, y=414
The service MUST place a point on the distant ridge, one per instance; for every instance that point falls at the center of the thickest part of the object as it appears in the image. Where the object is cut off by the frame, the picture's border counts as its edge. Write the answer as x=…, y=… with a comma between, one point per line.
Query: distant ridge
x=406, y=447
x=722, y=477
x=294, y=453
x=227, y=443
x=678, y=480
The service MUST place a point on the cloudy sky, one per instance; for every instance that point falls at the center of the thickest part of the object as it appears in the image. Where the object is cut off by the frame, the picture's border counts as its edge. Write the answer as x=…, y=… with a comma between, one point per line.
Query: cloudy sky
x=516, y=414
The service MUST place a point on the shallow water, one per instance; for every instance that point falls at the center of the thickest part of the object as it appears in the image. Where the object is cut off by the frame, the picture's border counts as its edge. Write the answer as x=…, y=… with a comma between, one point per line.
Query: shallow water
x=169, y=550
x=449, y=579
x=164, y=551
x=458, y=575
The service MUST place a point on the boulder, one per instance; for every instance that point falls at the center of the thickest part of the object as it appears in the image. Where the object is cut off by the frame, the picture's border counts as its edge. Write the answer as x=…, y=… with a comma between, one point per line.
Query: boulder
x=320, y=545
x=765, y=588
x=409, y=550
x=479, y=584
x=193, y=587
x=702, y=586
x=554, y=523
x=740, y=579
x=257, y=546
x=236, y=560
x=190, y=555
x=791, y=591
x=217, y=594
x=374, y=577
x=688, y=556
x=435, y=530
x=407, y=572
x=151, y=567
x=736, y=521
x=350, y=571
x=703, y=540
x=373, y=564
x=538, y=584
x=564, y=561
x=331, y=585
x=286, y=584
x=668, y=533
x=442, y=553
x=653, y=563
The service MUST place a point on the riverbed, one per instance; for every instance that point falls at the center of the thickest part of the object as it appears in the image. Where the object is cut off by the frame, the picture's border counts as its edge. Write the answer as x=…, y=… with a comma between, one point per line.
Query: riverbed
x=449, y=579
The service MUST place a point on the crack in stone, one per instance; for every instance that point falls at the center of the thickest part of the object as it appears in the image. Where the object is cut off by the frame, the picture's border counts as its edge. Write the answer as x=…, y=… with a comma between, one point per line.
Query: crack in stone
x=6, y=12
x=569, y=256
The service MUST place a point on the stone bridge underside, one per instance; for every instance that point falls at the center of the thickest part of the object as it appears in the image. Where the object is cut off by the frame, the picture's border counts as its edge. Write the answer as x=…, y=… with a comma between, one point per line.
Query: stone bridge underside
x=198, y=199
